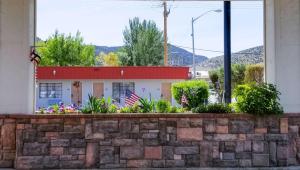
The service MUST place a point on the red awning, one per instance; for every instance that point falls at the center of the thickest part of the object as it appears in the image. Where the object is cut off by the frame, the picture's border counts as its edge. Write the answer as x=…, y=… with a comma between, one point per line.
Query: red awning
x=56, y=73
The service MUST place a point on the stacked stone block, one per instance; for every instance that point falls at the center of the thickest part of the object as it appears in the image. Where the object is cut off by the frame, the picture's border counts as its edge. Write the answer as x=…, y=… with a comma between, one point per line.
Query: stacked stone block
x=149, y=142
x=7, y=142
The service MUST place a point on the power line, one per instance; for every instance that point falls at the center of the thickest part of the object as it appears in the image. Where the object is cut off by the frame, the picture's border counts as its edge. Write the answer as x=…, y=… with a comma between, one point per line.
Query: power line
x=200, y=49
x=215, y=51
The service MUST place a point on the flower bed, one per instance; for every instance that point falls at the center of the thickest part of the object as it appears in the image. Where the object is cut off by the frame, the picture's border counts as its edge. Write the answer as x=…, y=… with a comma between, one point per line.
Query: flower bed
x=257, y=99
x=59, y=109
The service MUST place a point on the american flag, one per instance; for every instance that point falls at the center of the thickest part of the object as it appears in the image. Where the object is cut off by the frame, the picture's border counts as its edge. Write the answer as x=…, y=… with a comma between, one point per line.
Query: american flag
x=131, y=98
x=184, y=99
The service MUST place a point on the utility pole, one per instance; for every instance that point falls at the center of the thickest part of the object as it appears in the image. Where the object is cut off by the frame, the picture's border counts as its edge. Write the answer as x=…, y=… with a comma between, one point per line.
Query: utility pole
x=193, y=42
x=166, y=14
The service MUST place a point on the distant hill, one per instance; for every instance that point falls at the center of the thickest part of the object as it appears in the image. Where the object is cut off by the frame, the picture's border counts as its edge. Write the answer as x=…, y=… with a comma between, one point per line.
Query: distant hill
x=105, y=49
x=249, y=56
x=177, y=56
x=180, y=56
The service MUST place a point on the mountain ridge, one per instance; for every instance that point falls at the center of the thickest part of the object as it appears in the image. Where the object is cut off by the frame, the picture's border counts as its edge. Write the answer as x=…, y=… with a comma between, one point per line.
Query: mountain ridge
x=252, y=55
x=177, y=56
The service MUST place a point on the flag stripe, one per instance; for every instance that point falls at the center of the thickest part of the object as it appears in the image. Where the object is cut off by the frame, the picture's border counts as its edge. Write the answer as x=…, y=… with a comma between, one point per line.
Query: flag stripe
x=131, y=98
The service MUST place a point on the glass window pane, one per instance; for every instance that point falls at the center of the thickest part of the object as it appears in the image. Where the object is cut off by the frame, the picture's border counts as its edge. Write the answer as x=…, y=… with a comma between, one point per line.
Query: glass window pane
x=116, y=91
x=43, y=94
x=50, y=90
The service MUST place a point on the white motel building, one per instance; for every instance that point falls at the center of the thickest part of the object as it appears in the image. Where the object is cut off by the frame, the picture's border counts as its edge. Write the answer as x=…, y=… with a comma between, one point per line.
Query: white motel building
x=73, y=85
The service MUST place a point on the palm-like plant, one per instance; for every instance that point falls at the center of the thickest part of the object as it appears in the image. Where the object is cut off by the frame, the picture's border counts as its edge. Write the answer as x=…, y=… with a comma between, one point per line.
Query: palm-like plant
x=147, y=105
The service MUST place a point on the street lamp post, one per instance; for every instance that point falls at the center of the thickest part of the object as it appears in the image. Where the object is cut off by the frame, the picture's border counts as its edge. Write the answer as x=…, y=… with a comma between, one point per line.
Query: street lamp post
x=193, y=37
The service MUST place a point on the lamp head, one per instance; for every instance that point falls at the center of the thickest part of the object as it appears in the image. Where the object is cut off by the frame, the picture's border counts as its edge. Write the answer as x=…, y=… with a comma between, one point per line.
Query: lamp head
x=218, y=10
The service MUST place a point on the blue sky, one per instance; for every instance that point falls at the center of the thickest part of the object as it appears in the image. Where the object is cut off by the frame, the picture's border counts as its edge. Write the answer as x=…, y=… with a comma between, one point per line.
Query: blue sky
x=102, y=22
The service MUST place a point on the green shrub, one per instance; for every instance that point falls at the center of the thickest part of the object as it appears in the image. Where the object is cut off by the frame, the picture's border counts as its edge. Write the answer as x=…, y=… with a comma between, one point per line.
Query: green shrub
x=103, y=108
x=219, y=108
x=86, y=110
x=112, y=108
x=147, y=106
x=196, y=92
x=135, y=108
x=163, y=106
x=55, y=108
x=200, y=109
x=181, y=110
x=125, y=110
x=173, y=109
x=93, y=104
x=213, y=108
x=257, y=99
x=96, y=105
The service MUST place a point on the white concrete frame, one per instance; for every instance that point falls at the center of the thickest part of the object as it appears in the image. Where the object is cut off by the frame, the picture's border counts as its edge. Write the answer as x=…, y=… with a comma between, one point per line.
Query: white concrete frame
x=17, y=32
x=282, y=47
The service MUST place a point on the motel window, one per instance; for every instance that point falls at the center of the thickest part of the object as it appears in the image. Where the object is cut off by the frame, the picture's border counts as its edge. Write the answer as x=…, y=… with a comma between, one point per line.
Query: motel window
x=50, y=90
x=119, y=89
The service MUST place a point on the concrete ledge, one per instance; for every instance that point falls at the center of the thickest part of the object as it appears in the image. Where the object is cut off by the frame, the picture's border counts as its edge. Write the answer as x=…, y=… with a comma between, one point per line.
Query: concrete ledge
x=147, y=115
x=270, y=168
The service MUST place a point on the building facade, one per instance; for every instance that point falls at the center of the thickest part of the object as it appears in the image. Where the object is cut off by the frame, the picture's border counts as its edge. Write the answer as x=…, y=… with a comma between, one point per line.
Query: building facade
x=73, y=85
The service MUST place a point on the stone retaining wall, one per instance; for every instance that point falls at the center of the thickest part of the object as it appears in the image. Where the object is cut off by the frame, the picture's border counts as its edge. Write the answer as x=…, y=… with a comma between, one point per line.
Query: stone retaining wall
x=154, y=141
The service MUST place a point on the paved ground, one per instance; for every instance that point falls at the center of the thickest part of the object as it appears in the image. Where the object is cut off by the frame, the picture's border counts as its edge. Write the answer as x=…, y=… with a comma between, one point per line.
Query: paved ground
x=269, y=168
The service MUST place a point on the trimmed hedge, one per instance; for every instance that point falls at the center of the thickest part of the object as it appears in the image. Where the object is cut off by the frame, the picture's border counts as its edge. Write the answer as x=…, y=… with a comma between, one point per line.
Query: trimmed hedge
x=196, y=92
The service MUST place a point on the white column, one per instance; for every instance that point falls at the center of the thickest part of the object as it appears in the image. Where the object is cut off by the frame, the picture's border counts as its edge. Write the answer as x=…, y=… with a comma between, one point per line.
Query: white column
x=282, y=40
x=16, y=71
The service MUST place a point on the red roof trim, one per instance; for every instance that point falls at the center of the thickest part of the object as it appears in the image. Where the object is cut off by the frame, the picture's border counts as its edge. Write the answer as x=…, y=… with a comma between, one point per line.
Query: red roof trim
x=58, y=73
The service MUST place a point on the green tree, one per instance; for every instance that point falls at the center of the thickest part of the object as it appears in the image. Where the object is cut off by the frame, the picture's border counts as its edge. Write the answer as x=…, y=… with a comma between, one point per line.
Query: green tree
x=110, y=59
x=254, y=73
x=238, y=74
x=217, y=78
x=123, y=57
x=143, y=44
x=66, y=50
